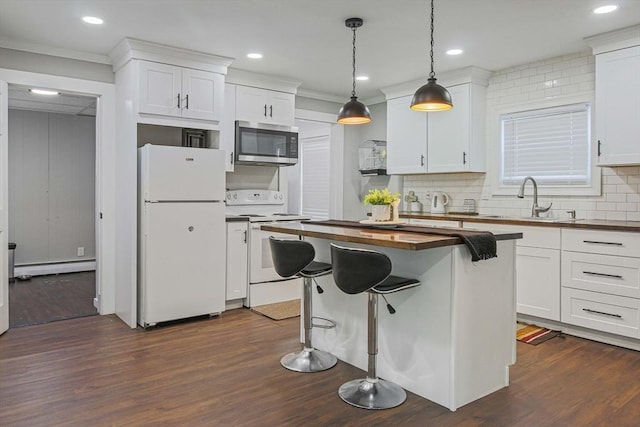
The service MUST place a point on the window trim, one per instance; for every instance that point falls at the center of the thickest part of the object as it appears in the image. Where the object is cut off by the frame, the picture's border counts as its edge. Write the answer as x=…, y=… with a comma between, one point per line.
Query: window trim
x=495, y=134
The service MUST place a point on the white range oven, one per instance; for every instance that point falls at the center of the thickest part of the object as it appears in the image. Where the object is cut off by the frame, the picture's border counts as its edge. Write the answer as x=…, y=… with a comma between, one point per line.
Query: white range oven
x=264, y=207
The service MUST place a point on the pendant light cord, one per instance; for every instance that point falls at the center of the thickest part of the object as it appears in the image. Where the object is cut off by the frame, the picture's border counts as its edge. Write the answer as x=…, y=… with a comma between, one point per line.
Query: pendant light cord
x=432, y=74
x=353, y=64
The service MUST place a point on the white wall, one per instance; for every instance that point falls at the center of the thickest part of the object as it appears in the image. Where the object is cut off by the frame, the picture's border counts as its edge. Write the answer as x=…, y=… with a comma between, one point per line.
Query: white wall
x=560, y=78
x=51, y=186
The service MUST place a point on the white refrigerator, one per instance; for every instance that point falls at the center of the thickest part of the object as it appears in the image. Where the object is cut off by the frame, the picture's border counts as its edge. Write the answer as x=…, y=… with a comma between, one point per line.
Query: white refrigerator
x=181, y=226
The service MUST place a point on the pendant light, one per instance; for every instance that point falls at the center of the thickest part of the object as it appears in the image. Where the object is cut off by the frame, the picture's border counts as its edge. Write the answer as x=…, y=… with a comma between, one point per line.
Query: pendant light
x=432, y=96
x=354, y=112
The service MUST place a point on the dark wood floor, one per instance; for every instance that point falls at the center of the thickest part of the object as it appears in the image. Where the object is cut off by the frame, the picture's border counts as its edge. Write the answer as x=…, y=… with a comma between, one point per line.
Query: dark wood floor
x=49, y=298
x=225, y=372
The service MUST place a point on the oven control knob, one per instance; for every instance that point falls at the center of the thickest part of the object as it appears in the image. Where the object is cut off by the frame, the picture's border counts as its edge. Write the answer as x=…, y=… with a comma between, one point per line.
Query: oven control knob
x=275, y=196
x=235, y=195
x=280, y=197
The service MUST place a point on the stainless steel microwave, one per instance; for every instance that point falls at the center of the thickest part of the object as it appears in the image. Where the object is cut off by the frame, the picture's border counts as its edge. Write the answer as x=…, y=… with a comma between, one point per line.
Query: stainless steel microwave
x=264, y=144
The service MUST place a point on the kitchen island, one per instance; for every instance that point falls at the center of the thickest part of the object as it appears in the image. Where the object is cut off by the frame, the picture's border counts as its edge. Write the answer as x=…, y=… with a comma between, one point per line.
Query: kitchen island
x=452, y=338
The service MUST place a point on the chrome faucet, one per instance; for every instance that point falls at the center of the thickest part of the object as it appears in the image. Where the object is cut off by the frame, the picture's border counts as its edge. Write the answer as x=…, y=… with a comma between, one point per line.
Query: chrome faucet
x=535, y=209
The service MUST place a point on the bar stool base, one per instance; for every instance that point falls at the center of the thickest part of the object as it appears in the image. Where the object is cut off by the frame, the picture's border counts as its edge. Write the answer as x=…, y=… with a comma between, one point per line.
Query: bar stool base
x=308, y=360
x=368, y=394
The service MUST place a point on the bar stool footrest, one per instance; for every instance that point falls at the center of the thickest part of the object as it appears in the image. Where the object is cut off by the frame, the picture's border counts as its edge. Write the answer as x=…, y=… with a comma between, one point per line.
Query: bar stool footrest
x=330, y=323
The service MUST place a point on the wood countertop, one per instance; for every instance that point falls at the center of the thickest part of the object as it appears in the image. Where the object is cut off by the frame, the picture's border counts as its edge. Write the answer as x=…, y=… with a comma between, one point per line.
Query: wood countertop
x=592, y=224
x=390, y=238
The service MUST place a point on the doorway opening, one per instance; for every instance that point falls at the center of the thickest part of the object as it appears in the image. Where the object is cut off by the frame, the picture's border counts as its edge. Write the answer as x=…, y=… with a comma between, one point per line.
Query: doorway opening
x=52, y=205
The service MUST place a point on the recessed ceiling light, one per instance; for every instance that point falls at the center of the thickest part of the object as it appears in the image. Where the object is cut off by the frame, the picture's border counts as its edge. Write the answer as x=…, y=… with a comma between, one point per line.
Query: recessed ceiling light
x=605, y=9
x=454, y=51
x=254, y=55
x=44, y=92
x=92, y=20
x=362, y=78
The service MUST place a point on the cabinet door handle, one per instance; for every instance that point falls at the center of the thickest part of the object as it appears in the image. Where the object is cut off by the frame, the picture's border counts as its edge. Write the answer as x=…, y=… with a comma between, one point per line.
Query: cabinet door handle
x=464, y=157
x=593, y=273
x=422, y=160
x=270, y=110
x=187, y=103
x=595, y=242
x=588, y=310
x=265, y=110
x=178, y=100
x=231, y=155
x=599, y=144
x=245, y=236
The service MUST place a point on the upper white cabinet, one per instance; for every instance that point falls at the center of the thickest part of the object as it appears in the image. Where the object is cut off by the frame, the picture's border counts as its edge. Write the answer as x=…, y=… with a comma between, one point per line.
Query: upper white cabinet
x=617, y=96
x=438, y=142
x=456, y=137
x=163, y=85
x=406, y=138
x=264, y=106
x=183, y=92
x=227, y=127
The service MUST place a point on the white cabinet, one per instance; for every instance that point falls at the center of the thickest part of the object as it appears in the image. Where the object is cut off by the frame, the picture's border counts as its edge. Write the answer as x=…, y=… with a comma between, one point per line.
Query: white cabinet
x=228, y=128
x=180, y=92
x=601, y=280
x=265, y=106
x=406, y=138
x=237, y=260
x=435, y=223
x=456, y=137
x=537, y=268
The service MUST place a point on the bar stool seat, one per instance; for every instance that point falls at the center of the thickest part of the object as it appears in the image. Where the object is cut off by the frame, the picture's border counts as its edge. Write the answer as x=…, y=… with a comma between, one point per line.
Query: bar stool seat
x=361, y=270
x=295, y=258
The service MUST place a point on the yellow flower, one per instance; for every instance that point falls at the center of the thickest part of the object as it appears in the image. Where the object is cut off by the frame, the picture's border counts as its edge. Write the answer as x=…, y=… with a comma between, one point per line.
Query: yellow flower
x=380, y=197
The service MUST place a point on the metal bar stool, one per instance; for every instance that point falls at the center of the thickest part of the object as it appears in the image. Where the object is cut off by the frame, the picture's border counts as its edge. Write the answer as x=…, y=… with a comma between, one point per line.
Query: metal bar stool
x=356, y=271
x=291, y=258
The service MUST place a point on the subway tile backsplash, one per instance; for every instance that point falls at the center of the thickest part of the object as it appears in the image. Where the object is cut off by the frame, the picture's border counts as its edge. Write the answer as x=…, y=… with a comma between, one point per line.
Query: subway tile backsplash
x=563, y=76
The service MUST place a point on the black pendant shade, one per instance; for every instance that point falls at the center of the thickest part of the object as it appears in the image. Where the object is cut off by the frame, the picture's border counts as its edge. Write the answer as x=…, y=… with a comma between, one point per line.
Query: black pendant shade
x=354, y=112
x=431, y=97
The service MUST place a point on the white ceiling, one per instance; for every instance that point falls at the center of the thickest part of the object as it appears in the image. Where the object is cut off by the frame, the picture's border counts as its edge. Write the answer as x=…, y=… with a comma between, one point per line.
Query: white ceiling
x=306, y=40
x=65, y=103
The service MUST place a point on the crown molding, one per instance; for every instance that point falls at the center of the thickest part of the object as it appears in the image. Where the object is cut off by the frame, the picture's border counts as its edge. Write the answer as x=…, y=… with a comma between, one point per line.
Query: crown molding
x=473, y=75
x=265, y=81
x=14, y=44
x=614, y=40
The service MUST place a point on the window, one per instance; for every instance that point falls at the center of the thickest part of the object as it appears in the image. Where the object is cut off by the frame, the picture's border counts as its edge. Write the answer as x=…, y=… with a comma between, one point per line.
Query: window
x=551, y=144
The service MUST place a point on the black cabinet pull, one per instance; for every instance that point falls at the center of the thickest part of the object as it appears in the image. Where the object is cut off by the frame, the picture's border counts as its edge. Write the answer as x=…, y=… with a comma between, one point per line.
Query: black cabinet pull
x=231, y=155
x=422, y=160
x=588, y=310
x=464, y=157
x=595, y=242
x=270, y=110
x=599, y=144
x=187, y=103
x=593, y=273
x=245, y=236
x=265, y=110
x=178, y=100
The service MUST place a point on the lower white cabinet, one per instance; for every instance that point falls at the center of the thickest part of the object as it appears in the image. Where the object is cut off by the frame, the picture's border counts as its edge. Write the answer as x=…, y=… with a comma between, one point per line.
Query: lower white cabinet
x=237, y=260
x=601, y=280
x=537, y=268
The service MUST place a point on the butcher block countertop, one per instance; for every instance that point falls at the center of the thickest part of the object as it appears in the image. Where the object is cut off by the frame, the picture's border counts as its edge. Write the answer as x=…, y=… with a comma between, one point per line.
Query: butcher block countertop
x=592, y=224
x=390, y=238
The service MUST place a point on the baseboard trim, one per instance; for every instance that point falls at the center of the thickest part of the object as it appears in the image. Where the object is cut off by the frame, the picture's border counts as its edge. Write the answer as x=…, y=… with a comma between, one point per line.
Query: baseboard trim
x=65, y=267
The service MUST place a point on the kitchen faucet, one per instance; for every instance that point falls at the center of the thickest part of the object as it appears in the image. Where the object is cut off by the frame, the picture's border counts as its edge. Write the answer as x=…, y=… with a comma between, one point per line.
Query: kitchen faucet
x=535, y=209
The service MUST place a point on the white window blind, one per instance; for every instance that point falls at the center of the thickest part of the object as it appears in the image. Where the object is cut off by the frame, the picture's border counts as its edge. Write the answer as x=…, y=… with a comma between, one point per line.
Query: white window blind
x=551, y=144
x=315, y=177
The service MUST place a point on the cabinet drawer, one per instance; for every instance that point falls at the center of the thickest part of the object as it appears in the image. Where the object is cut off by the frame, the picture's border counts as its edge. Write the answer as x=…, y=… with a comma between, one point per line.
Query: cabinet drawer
x=608, y=313
x=536, y=237
x=601, y=273
x=602, y=242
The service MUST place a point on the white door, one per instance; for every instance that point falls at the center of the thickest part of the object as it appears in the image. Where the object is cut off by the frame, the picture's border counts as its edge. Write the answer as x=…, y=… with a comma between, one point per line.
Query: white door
x=237, y=261
x=181, y=173
x=184, y=261
x=448, y=135
x=160, y=89
x=280, y=108
x=406, y=138
x=201, y=99
x=4, y=229
x=251, y=104
x=316, y=169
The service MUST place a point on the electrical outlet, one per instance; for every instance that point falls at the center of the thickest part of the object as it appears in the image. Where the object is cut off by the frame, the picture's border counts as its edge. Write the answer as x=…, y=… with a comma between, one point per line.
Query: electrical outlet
x=80, y=251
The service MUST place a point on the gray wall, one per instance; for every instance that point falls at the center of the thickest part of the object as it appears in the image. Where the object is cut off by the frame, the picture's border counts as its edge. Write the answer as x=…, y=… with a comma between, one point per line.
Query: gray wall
x=51, y=186
x=55, y=65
